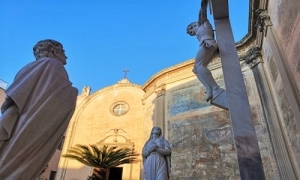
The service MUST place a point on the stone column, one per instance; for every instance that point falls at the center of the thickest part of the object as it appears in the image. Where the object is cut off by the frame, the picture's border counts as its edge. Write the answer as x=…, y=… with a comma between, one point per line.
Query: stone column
x=282, y=166
x=160, y=108
x=248, y=154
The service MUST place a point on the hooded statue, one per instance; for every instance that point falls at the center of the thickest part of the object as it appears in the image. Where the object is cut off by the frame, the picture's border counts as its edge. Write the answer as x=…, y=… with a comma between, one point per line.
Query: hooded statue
x=157, y=156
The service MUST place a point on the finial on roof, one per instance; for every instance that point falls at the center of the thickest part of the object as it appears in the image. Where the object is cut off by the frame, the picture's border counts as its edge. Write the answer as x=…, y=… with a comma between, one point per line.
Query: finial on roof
x=125, y=72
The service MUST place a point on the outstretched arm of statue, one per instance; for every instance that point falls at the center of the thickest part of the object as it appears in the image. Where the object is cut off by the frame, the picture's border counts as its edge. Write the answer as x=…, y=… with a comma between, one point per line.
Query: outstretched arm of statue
x=203, y=12
x=7, y=103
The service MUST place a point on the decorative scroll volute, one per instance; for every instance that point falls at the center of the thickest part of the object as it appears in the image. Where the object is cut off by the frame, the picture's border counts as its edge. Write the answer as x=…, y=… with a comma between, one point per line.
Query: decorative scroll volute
x=252, y=57
x=263, y=20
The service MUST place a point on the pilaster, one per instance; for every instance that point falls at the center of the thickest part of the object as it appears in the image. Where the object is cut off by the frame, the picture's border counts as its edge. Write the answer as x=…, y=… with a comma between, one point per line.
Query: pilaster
x=160, y=107
x=281, y=162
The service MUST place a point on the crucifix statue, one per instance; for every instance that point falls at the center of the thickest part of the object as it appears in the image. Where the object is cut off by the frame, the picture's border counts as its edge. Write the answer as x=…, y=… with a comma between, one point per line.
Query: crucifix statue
x=207, y=50
x=248, y=153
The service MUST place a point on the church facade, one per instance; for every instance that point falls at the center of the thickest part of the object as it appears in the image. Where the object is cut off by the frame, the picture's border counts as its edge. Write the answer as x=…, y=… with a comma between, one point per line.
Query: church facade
x=199, y=133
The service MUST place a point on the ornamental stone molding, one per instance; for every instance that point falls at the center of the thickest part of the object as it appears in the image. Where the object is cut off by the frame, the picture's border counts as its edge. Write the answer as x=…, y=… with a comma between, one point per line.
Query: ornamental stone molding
x=121, y=83
x=160, y=89
x=263, y=20
x=252, y=57
x=116, y=139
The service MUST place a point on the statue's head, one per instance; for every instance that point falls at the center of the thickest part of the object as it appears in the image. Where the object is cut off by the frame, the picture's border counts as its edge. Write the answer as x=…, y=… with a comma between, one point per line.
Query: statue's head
x=50, y=48
x=156, y=132
x=191, y=28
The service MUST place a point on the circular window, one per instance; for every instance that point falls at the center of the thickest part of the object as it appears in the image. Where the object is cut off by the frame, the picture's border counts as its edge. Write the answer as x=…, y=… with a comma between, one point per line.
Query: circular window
x=119, y=108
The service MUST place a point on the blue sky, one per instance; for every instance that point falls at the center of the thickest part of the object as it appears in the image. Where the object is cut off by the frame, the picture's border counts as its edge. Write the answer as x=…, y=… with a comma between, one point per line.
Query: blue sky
x=103, y=37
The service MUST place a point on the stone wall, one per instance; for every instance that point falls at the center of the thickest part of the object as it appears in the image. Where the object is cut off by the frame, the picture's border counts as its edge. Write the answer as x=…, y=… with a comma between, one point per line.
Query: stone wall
x=285, y=18
x=289, y=126
x=281, y=57
x=201, y=135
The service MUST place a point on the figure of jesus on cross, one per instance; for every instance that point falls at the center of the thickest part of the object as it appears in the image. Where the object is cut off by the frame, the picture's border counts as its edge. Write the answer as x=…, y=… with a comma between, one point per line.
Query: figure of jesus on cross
x=237, y=103
x=207, y=49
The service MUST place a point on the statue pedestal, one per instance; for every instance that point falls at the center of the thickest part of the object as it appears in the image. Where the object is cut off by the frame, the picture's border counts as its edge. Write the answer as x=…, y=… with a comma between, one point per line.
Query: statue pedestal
x=220, y=101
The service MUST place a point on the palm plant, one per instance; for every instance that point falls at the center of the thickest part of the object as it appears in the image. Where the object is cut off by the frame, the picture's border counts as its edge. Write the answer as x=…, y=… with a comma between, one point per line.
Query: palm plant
x=101, y=159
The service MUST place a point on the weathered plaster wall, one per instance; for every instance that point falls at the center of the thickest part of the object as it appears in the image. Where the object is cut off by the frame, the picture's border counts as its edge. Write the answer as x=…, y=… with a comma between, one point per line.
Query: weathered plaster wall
x=290, y=128
x=285, y=18
x=282, y=66
x=201, y=135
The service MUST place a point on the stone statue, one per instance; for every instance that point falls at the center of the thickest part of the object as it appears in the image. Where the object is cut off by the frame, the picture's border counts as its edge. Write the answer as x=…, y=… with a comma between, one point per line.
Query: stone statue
x=157, y=156
x=36, y=113
x=86, y=90
x=207, y=49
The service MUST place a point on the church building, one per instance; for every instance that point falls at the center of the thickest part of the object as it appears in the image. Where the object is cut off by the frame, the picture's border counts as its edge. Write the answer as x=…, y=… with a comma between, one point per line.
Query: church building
x=200, y=134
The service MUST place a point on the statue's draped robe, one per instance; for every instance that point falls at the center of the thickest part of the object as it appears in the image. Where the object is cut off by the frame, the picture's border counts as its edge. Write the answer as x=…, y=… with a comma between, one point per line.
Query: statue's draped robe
x=156, y=165
x=32, y=128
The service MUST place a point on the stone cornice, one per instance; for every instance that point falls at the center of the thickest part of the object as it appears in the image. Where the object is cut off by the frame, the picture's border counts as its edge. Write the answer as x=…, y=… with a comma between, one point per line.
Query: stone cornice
x=121, y=83
x=166, y=70
x=263, y=21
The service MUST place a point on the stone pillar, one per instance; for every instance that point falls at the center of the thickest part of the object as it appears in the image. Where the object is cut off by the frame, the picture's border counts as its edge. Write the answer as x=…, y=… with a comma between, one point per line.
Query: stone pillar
x=282, y=166
x=160, y=108
x=248, y=154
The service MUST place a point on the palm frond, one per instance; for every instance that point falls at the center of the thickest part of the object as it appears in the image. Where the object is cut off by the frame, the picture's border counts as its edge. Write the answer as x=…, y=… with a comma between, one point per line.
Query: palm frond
x=103, y=157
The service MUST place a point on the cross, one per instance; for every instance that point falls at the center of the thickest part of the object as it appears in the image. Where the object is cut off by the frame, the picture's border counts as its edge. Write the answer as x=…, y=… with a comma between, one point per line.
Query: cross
x=125, y=73
x=248, y=154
